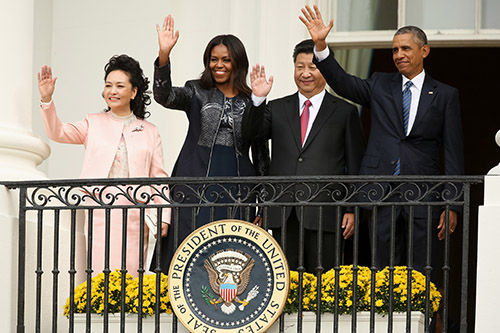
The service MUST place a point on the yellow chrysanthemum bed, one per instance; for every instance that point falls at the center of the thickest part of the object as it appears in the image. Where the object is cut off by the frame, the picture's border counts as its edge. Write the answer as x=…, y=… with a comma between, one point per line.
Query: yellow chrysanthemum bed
x=114, y=299
x=345, y=306
x=363, y=291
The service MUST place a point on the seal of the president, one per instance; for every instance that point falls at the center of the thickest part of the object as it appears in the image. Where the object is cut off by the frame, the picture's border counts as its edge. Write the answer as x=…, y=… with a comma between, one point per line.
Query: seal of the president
x=228, y=276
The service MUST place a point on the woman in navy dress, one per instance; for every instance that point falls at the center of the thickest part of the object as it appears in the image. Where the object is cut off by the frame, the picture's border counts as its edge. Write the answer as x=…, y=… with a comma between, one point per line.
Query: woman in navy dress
x=214, y=105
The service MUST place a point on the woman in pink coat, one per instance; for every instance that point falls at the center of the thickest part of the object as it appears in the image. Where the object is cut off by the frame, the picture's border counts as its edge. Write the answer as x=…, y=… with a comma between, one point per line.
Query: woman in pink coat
x=119, y=143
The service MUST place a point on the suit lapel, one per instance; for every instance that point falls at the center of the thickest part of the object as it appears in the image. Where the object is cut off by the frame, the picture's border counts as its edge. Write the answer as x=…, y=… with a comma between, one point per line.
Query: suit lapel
x=291, y=107
x=397, y=95
x=326, y=110
x=426, y=97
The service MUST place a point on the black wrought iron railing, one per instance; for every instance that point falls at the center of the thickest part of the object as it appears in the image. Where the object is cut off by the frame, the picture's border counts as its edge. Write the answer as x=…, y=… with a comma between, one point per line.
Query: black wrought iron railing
x=50, y=219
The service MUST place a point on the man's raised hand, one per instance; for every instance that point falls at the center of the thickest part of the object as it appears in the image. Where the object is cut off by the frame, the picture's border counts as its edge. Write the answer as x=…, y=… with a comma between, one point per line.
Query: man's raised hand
x=260, y=85
x=317, y=29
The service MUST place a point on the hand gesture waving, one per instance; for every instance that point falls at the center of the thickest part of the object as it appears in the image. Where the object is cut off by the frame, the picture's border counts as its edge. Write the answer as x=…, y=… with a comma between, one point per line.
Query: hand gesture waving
x=317, y=29
x=166, y=38
x=260, y=86
x=46, y=84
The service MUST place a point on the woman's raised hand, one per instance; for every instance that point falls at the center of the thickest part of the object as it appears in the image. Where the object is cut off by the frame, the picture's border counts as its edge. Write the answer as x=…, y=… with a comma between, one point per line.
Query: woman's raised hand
x=46, y=84
x=260, y=86
x=166, y=38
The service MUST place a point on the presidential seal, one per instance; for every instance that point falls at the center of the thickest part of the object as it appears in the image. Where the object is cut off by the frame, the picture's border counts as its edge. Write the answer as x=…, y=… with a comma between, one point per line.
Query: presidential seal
x=228, y=276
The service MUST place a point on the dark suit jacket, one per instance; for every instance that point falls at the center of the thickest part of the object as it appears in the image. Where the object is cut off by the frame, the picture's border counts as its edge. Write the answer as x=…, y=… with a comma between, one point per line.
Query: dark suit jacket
x=334, y=146
x=437, y=125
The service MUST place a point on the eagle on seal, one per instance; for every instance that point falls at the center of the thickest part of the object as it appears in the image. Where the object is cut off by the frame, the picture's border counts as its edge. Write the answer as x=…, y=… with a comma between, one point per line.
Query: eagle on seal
x=229, y=278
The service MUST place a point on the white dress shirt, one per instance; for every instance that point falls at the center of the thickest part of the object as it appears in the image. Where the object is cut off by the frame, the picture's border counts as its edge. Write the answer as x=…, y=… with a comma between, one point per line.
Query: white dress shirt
x=416, y=88
x=316, y=101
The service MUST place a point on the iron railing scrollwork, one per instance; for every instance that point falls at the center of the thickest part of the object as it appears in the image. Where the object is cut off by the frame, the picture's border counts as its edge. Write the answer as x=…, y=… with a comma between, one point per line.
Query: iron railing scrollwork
x=251, y=194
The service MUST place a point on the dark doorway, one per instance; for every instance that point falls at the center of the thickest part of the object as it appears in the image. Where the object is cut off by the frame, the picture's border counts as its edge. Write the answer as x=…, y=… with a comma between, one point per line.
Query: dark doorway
x=473, y=71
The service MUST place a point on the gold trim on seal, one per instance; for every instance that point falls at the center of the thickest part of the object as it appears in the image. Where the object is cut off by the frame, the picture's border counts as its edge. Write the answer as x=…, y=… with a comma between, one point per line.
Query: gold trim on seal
x=228, y=287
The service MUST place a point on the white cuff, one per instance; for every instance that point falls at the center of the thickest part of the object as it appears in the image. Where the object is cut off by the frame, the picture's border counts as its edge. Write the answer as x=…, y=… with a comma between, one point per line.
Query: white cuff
x=257, y=101
x=42, y=104
x=321, y=55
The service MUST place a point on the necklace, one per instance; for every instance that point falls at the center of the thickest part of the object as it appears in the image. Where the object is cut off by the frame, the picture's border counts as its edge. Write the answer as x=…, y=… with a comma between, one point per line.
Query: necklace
x=126, y=119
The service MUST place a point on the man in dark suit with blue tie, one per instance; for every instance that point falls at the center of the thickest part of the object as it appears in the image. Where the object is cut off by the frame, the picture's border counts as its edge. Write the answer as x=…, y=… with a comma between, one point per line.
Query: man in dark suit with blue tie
x=413, y=119
x=312, y=133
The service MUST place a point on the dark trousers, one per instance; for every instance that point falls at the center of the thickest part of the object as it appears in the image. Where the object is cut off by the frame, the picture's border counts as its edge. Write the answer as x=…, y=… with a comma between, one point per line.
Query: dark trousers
x=419, y=253
x=311, y=254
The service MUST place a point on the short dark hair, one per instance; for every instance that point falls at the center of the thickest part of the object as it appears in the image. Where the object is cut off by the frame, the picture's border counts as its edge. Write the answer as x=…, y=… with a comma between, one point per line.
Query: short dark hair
x=239, y=62
x=306, y=46
x=136, y=76
x=418, y=34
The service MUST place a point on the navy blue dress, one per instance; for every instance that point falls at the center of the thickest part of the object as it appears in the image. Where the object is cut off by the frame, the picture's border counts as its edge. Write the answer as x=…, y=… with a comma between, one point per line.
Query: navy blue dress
x=214, y=146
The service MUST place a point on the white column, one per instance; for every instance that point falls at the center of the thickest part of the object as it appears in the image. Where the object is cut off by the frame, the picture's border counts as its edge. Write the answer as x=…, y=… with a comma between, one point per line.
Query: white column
x=488, y=250
x=20, y=149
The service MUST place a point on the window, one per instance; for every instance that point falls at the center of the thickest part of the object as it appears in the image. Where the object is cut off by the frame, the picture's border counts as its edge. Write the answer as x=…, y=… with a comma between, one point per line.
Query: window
x=490, y=14
x=372, y=23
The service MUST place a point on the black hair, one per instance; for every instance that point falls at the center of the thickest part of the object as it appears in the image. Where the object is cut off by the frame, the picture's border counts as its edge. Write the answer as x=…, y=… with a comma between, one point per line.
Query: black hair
x=306, y=46
x=239, y=62
x=418, y=34
x=136, y=76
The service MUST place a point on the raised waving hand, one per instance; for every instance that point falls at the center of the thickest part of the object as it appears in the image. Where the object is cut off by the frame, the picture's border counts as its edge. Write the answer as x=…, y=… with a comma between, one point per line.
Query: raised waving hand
x=166, y=39
x=260, y=85
x=46, y=84
x=317, y=29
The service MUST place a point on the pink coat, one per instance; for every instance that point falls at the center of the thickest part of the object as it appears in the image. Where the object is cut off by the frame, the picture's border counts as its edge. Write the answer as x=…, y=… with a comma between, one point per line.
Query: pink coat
x=100, y=134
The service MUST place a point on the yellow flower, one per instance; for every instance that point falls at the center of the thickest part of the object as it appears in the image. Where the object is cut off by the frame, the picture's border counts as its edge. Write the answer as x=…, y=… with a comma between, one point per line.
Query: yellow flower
x=131, y=294
x=352, y=282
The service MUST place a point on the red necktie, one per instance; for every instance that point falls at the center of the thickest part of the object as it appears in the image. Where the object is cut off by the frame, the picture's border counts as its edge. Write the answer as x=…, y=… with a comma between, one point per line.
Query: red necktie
x=304, y=120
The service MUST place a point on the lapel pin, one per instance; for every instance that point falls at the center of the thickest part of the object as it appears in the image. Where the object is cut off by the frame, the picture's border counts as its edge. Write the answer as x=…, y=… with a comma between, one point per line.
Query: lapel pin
x=431, y=92
x=138, y=128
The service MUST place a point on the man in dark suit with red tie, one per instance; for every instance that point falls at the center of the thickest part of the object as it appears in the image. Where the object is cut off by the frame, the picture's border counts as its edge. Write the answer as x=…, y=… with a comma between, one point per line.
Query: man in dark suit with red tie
x=312, y=133
x=413, y=119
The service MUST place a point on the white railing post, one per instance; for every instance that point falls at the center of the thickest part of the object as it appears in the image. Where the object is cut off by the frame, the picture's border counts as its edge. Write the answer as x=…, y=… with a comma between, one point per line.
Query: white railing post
x=488, y=250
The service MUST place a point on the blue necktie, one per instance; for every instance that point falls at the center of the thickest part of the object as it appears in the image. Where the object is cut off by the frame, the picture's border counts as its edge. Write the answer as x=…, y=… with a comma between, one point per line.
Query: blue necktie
x=406, y=117
x=406, y=105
